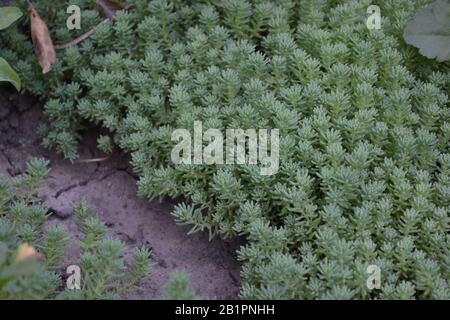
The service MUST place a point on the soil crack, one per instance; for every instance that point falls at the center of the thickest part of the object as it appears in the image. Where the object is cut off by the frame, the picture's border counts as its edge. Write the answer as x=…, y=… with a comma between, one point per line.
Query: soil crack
x=113, y=195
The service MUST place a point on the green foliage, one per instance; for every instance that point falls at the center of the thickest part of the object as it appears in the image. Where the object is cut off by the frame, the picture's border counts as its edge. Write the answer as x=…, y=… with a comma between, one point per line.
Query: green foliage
x=102, y=263
x=21, y=222
x=105, y=144
x=8, y=74
x=364, y=122
x=430, y=31
x=31, y=254
x=7, y=16
x=177, y=288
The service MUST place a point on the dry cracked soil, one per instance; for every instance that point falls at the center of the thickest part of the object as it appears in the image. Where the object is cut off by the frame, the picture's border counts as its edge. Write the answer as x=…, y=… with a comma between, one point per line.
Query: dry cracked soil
x=110, y=187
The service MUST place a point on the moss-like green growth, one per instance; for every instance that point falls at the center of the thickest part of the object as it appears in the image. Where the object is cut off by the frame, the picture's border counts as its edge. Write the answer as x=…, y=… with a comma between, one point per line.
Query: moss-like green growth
x=364, y=124
x=31, y=254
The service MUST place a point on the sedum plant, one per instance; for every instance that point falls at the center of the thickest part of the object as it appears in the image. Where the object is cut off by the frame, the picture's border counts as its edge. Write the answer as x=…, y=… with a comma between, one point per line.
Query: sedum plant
x=24, y=273
x=104, y=274
x=177, y=288
x=31, y=254
x=364, y=122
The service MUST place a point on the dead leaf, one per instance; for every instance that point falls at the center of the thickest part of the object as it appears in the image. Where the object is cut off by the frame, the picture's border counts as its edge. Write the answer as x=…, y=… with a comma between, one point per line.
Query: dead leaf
x=26, y=252
x=42, y=42
x=110, y=7
x=96, y=9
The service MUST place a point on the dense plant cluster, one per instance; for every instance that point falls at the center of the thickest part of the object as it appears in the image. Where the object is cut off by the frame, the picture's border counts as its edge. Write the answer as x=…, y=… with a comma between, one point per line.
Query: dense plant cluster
x=364, y=124
x=21, y=220
x=31, y=254
x=177, y=288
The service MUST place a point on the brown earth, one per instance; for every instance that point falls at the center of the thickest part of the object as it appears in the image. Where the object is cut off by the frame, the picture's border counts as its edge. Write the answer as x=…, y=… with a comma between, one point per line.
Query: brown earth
x=110, y=187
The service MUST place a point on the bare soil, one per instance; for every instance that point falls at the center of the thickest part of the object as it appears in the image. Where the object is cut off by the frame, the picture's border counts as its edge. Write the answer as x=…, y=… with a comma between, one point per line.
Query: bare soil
x=110, y=187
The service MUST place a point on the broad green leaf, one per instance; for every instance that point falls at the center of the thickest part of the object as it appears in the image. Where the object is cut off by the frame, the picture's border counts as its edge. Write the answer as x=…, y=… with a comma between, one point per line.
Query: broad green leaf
x=8, y=74
x=429, y=30
x=8, y=15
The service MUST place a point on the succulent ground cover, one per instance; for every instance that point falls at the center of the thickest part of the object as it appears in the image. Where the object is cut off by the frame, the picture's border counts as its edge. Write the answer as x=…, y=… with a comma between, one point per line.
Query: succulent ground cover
x=364, y=175
x=30, y=255
x=109, y=187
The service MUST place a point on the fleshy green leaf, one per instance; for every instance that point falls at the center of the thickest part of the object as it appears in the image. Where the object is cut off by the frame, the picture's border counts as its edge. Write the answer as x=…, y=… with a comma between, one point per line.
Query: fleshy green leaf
x=8, y=74
x=429, y=30
x=8, y=15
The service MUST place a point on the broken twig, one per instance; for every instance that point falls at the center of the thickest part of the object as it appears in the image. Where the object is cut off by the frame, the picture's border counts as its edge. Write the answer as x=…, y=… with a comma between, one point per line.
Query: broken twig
x=86, y=35
x=93, y=160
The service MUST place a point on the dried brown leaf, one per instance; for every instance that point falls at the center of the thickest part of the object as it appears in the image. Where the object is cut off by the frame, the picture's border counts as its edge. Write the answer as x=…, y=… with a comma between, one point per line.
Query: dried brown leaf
x=42, y=42
x=110, y=7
